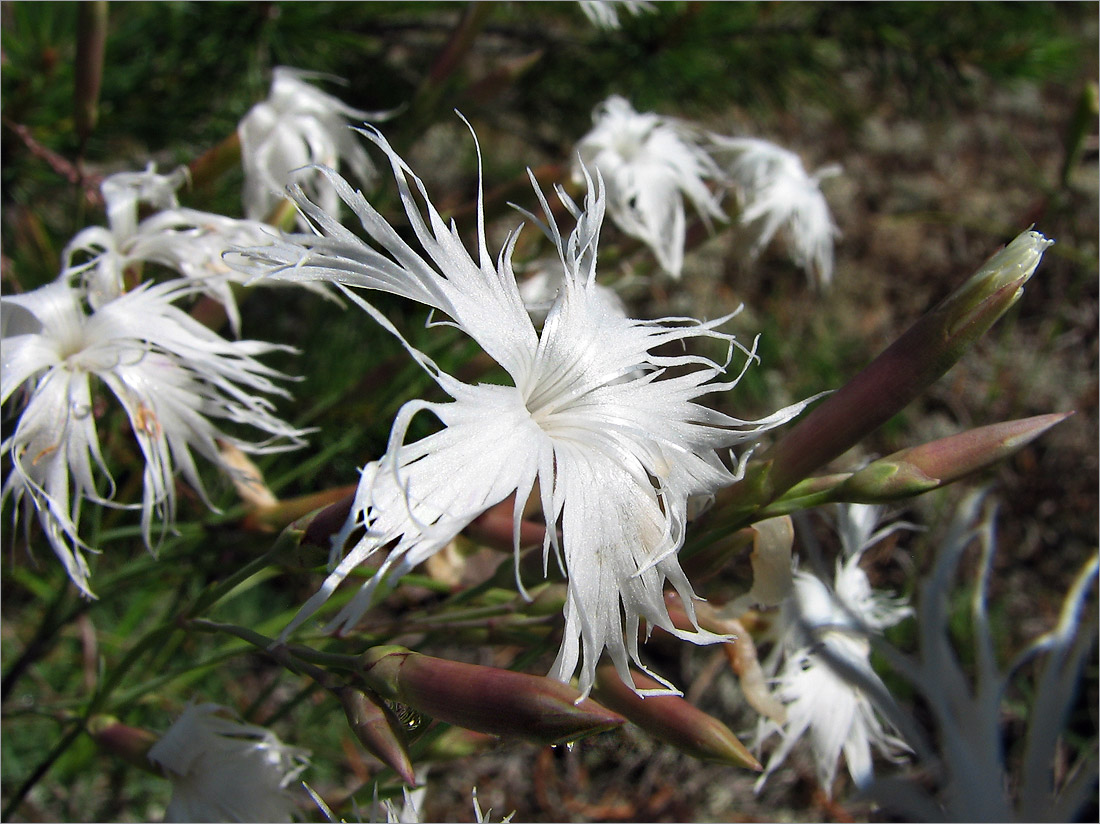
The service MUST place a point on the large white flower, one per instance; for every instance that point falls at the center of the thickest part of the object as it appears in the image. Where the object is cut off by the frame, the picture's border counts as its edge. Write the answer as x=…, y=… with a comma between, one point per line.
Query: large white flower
x=297, y=125
x=172, y=376
x=649, y=163
x=598, y=416
x=778, y=196
x=223, y=770
x=826, y=641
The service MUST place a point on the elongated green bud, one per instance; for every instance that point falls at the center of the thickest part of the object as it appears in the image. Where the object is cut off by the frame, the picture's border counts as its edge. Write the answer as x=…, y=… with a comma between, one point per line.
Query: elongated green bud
x=485, y=699
x=377, y=729
x=908, y=366
x=673, y=720
x=940, y=462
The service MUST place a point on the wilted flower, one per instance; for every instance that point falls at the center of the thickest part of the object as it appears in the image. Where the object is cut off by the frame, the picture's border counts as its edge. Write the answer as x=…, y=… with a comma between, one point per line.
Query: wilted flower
x=649, y=163
x=172, y=376
x=614, y=444
x=826, y=636
x=298, y=125
x=223, y=770
x=778, y=196
x=605, y=13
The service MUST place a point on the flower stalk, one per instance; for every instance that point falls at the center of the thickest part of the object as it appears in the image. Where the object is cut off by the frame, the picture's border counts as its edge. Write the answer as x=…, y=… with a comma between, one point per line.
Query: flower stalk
x=892, y=380
x=91, y=43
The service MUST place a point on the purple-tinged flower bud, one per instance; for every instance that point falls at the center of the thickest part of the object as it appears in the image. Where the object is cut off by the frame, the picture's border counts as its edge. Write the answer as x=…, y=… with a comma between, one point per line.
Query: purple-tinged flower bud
x=377, y=729
x=673, y=720
x=937, y=463
x=908, y=366
x=131, y=744
x=485, y=699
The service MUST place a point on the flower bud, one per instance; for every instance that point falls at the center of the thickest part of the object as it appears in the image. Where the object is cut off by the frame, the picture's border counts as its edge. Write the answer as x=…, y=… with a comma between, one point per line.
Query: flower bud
x=938, y=463
x=485, y=699
x=673, y=720
x=908, y=366
x=131, y=744
x=377, y=729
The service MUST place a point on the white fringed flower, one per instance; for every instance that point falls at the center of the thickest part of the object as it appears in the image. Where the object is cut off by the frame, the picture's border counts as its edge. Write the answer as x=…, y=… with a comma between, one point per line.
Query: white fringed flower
x=649, y=163
x=605, y=13
x=297, y=126
x=223, y=770
x=778, y=196
x=172, y=376
x=106, y=249
x=615, y=445
x=188, y=242
x=543, y=283
x=826, y=639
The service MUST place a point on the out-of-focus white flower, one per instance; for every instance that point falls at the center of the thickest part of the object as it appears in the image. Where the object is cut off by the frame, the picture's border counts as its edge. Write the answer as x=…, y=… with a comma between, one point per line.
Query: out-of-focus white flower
x=298, y=125
x=107, y=247
x=223, y=770
x=776, y=195
x=187, y=241
x=172, y=376
x=649, y=163
x=976, y=780
x=123, y=192
x=615, y=445
x=826, y=637
x=605, y=13
x=193, y=243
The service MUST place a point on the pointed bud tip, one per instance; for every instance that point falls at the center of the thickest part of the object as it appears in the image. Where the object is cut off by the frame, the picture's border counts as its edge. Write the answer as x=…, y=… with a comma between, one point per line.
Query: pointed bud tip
x=672, y=719
x=378, y=730
x=1017, y=261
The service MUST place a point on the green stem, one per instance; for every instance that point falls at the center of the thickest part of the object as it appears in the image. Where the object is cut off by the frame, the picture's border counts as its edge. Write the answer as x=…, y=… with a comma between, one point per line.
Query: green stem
x=155, y=637
x=287, y=539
